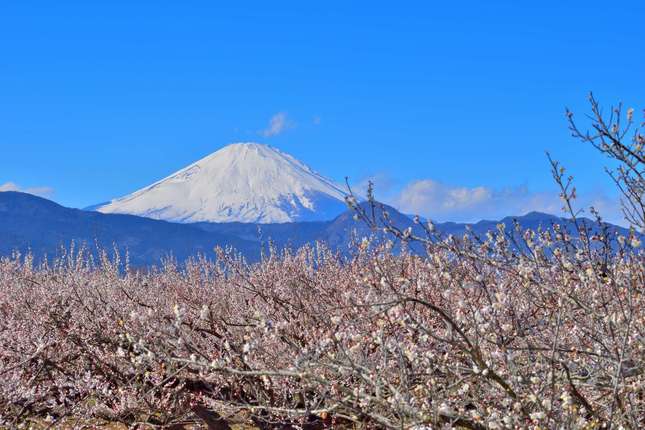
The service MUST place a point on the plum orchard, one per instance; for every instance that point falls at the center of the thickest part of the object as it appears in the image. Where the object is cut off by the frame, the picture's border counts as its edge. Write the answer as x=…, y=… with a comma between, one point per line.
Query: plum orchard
x=475, y=334
x=388, y=341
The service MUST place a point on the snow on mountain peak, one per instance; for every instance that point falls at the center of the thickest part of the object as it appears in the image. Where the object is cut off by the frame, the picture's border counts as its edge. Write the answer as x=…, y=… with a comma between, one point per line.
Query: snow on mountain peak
x=243, y=182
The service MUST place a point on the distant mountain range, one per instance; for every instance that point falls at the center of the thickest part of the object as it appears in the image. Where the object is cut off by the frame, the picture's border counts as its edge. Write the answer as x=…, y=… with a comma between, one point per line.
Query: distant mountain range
x=242, y=182
x=30, y=223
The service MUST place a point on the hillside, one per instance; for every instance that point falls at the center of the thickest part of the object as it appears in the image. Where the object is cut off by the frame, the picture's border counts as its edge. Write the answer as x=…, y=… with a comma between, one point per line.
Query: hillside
x=32, y=223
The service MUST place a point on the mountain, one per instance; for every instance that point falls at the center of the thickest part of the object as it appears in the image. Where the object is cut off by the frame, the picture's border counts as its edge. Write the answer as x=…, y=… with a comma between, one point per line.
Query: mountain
x=30, y=223
x=338, y=233
x=341, y=232
x=242, y=182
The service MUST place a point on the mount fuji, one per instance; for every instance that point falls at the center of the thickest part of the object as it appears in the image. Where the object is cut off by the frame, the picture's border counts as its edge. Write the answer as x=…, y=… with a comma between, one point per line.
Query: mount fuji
x=242, y=182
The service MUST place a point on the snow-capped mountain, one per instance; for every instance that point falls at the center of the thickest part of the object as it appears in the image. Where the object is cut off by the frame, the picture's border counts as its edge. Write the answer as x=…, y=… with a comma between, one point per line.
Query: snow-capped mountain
x=242, y=182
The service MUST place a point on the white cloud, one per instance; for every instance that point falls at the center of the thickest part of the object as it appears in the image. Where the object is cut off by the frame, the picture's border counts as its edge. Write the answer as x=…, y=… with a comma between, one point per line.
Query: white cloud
x=37, y=191
x=278, y=124
x=443, y=202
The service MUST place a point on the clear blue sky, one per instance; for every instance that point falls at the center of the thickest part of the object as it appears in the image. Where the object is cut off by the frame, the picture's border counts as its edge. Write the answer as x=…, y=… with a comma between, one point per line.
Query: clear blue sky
x=98, y=99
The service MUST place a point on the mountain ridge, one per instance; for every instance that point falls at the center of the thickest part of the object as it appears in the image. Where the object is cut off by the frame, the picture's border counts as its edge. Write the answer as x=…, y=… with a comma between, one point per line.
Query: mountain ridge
x=34, y=224
x=42, y=227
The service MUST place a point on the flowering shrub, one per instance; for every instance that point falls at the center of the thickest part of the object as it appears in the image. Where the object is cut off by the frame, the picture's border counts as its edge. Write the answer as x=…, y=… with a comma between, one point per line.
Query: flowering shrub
x=472, y=336
x=482, y=332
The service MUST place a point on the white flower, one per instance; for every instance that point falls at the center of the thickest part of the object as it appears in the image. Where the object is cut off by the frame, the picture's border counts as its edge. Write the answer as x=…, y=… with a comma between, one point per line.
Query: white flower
x=444, y=409
x=537, y=416
x=494, y=424
x=178, y=311
x=411, y=355
x=546, y=403
x=636, y=243
x=566, y=398
x=203, y=314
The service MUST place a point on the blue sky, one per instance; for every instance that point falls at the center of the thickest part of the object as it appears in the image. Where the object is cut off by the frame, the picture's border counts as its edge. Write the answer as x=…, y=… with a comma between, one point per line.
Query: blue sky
x=448, y=106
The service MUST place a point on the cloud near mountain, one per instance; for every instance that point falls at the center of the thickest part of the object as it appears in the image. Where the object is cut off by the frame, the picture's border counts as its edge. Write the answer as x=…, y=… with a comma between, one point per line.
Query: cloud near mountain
x=447, y=202
x=278, y=124
x=440, y=201
x=36, y=191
